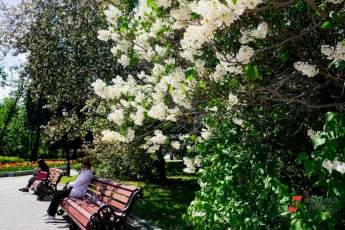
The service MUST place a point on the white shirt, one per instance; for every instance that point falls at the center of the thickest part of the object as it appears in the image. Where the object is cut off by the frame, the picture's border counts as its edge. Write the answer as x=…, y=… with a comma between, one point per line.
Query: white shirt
x=79, y=186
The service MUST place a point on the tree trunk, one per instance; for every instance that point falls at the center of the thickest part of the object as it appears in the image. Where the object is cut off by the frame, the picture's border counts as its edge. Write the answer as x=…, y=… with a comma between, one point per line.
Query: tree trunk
x=160, y=165
x=36, y=144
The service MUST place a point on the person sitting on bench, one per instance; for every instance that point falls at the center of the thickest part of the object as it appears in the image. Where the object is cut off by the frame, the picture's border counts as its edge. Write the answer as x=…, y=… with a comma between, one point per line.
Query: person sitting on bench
x=79, y=188
x=42, y=167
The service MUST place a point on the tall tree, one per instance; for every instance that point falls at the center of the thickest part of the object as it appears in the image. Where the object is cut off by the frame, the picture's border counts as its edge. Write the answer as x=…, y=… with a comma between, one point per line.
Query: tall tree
x=65, y=58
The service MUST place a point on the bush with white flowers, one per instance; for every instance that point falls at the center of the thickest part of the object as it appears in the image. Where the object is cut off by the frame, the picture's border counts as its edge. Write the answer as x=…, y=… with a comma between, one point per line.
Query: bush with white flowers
x=248, y=62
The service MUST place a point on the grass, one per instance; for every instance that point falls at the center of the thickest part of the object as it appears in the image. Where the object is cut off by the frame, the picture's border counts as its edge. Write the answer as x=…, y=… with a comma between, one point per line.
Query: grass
x=16, y=169
x=4, y=159
x=165, y=203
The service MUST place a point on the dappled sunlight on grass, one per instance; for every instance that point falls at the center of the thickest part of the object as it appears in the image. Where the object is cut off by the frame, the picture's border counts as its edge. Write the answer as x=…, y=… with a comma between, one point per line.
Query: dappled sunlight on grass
x=165, y=203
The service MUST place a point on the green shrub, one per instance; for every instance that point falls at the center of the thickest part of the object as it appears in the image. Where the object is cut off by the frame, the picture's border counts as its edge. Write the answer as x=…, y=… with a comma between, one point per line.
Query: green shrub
x=240, y=185
x=324, y=207
x=248, y=181
x=123, y=163
x=10, y=159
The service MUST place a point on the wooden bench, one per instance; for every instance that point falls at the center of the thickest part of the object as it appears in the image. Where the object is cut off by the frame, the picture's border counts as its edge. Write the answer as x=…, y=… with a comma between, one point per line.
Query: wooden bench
x=46, y=188
x=105, y=206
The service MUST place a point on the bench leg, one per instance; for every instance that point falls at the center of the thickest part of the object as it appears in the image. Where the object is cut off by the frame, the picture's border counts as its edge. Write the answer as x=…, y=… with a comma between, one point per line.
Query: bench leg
x=73, y=226
x=60, y=212
x=105, y=223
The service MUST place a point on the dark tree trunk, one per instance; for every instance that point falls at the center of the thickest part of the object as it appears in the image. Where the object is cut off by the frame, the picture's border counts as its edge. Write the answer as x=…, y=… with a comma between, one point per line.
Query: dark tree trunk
x=160, y=165
x=36, y=144
x=36, y=117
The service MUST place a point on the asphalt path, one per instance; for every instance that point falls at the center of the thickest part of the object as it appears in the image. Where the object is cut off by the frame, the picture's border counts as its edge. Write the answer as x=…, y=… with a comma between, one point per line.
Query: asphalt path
x=19, y=210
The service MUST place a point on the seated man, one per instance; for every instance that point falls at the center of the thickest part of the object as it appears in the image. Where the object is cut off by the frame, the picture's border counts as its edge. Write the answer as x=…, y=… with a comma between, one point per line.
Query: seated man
x=79, y=188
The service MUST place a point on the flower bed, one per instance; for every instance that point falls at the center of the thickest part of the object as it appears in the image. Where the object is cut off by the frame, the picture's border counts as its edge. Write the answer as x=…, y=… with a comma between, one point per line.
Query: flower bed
x=28, y=165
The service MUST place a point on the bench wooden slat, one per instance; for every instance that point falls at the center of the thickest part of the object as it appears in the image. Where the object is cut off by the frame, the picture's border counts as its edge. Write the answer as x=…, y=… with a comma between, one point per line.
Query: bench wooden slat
x=107, y=200
x=115, y=184
x=118, y=190
x=100, y=192
x=111, y=194
x=72, y=212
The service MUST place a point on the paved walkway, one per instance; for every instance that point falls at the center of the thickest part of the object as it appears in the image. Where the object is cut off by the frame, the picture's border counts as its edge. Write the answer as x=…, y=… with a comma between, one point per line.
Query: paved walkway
x=20, y=210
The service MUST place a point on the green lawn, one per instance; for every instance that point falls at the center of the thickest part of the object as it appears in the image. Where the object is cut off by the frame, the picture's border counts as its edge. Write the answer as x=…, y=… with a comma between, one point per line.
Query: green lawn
x=17, y=169
x=163, y=204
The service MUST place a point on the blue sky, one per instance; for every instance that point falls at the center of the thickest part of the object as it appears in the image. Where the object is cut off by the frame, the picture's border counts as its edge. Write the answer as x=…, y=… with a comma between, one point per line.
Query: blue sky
x=9, y=60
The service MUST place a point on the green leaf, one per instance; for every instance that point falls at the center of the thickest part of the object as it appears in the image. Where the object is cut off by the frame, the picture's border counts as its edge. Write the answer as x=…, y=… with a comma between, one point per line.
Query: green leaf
x=318, y=141
x=202, y=84
x=297, y=224
x=324, y=215
x=225, y=3
x=302, y=157
x=190, y=74
x=308, y=166
x=252, y=72
x=326, y=25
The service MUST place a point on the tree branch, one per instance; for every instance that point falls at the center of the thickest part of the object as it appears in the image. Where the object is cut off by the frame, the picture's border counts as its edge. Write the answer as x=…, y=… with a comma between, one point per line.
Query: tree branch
x=302, y=34
x=275, y=4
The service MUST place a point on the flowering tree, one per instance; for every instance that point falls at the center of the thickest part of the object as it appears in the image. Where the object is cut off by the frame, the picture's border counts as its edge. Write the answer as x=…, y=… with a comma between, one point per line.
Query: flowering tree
x=204, y=61
x=64, y=56
x=189, y=47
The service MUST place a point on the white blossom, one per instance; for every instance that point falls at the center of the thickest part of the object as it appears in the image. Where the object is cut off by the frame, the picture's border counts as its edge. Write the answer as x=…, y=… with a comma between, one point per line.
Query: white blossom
x=244, y=54
x=124, y=60
x=340, y=167
x=335, y=1
x=163, y=3
x=206, y=133
x=306, y=69
x=112, y=14
x=251, y=35
x=99, y=87
x=176, y=145
x=117, y=117
x=335, y=165
x=158, y=111
x=104, y=35
x=334, y=53
x=233, y=100
x=138, y=117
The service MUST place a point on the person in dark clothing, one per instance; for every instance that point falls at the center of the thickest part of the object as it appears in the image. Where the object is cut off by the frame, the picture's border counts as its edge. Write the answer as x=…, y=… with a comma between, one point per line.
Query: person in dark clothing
x=42, y=167
x=75, y=189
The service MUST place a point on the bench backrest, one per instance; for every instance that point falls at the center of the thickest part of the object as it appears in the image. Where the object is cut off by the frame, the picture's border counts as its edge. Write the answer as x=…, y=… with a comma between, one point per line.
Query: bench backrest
x=55, y=175
x=117, y=195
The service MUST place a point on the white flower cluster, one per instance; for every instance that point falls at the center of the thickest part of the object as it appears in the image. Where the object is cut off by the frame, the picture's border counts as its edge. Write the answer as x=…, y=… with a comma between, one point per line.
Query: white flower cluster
x=312, y=134
x=334, y=53
x=153, y=143
x=176, y=145
x=192, y=164
x=251, y=35
x=115, y=137
x=117, y=117
x=181, y=15
x=163, y=3
x=231, y=63
x=335, y=1
x=306, y=69
x=206, y=133
x=233, y=100
x=335, y=165
x=214, y=14
x=163, y=92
